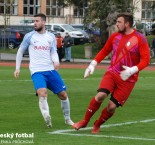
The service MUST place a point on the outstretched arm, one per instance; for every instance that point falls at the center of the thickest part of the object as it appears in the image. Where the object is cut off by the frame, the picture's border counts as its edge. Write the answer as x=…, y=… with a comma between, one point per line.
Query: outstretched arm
x=55, y=60
x=24, y=45
x=99, y=57
x=54, y=54
x=18, y=62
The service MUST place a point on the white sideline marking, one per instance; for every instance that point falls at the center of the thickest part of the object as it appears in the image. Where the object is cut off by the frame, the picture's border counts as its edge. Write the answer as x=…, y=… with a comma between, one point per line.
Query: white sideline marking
x=66, y=132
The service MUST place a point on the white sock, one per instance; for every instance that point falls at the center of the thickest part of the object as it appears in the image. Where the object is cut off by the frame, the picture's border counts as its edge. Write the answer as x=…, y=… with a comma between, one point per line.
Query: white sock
x=43, y=105
x=65, y=105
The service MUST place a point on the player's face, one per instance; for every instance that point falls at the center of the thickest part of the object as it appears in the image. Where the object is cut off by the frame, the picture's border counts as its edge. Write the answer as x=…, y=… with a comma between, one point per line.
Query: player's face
x=121, y=25
x=39, y=24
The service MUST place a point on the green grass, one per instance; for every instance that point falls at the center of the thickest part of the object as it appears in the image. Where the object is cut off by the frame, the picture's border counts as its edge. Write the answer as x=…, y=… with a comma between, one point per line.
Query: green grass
x=19, y=111
x=78, y=51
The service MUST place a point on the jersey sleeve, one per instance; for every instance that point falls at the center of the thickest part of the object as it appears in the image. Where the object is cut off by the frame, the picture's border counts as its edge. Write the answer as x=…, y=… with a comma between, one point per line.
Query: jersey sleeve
x=26, y=42
x=144, y=53
x=54, y=54
x=24, y=45
x=54, y=43
x=106, y=49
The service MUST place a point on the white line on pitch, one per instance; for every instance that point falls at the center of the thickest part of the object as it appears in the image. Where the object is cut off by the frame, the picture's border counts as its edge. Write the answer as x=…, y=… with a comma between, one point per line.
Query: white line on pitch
x=66, y=132
x=106, y=136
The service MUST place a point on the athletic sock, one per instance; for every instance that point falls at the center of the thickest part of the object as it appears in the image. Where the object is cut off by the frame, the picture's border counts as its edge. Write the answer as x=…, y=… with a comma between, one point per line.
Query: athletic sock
x=44, y=108
x=65, y=105
x=92, y=108
x=105, y=115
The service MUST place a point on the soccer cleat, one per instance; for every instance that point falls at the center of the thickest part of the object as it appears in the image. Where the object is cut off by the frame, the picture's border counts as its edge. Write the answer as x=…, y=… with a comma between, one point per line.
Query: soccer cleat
x=96, y=129
x=48, y=121
x=80, y=124
x=69, y=122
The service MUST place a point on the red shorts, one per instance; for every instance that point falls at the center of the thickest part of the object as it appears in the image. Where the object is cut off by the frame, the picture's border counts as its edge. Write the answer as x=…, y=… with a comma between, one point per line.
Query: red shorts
x=119, y=89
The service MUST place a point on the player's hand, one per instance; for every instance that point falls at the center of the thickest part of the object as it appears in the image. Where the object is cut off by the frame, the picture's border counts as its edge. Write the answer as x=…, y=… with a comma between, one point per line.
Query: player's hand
x=127, y=72
x=56, y=65
x=16, y=73
x=90, y=69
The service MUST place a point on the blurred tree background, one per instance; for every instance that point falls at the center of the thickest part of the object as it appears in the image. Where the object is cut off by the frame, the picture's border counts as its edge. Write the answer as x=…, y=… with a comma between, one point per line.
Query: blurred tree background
x=96, y=12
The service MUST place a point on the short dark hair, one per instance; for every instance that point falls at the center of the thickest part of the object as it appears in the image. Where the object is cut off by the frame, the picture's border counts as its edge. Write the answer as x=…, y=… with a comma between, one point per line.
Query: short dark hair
x=128, y=17
x=43, y=16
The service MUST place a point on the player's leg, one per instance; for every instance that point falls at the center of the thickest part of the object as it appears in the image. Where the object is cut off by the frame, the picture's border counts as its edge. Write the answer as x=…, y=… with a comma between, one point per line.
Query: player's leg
x=65, y=105
x=59, y=88
x=44, y=107
x=103, y=91
x=118, y=98
x=40, y=87
x=93, y=106
x=106, y=114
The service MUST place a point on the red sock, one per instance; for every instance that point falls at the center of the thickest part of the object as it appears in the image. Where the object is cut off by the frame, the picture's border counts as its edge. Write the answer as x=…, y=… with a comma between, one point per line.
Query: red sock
x=92, y=108
x=105, y=115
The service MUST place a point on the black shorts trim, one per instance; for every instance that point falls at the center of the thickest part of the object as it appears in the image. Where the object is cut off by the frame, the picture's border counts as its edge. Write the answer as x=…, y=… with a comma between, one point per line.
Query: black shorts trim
x=115, y=101
x=104, y=90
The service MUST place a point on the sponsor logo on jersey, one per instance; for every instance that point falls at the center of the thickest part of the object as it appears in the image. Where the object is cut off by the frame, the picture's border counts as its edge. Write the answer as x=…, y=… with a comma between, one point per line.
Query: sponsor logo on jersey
x=41, y=47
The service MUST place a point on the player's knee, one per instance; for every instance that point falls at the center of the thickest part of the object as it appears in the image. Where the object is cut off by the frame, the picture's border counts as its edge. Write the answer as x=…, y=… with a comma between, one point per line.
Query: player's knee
x=42, y=92
x=62, y=95
x=111, y=107
x=100, y=96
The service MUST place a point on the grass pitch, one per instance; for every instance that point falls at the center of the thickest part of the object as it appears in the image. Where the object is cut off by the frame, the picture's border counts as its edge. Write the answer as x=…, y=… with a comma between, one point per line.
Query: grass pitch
x=20, y=116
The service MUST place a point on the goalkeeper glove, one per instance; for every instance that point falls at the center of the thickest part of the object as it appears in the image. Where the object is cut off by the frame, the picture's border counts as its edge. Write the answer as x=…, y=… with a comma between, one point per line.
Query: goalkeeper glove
x=90, y=69
x=128, y=71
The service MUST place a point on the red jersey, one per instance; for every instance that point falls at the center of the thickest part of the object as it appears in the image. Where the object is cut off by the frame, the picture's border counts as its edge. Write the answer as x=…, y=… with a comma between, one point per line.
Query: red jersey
x=129, y=50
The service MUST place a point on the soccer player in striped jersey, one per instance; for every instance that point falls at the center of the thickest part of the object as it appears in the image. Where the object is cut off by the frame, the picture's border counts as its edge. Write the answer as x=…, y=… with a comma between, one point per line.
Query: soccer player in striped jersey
x=44, y=63
x=130, y=54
